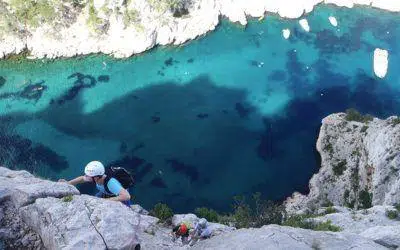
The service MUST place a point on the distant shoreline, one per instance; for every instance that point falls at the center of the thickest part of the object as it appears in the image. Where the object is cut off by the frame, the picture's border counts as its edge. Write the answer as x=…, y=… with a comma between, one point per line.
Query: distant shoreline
x=139, y=25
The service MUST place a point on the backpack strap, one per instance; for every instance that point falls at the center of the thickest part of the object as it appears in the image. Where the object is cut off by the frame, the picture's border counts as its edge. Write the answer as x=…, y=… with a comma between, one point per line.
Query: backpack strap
x=106, y=180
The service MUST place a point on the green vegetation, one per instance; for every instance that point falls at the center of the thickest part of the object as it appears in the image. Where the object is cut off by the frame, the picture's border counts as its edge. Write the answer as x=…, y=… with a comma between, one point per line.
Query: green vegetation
x=356, y=152
x=177, y=7
x=132, y=16
x=354, y=115
x=162, y=211
x=392, y=214
x=93, y=21
x=260, y=212
x=18, y=58
x=395, y=121
x=328, y=147
x=34, y=13
x=330, y=210
x=209, y=214
x=365, y=199
x=397, y=206
x=257, y=213
x=339, y=168
x=78, y=3
x=303, y=221
x=355, y=179
x=67, y=198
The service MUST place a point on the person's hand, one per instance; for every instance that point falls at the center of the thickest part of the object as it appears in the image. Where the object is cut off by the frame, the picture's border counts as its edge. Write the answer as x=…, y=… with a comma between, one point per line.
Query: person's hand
x=62, y=180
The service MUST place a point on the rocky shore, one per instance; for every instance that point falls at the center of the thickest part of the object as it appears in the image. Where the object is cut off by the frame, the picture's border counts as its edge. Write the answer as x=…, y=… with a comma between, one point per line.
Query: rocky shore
x=54, y=29
x=40, y=214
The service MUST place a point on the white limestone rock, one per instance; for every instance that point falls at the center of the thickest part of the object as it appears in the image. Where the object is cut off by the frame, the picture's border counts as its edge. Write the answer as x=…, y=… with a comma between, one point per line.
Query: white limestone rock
x=388, y=236
x=386, y=5
x=353, y=221
x=371, y=223
x=23, y=188
x=152, y=25
x=381, y=62
x=279, y=237
x=85, y=221
x=366, y=157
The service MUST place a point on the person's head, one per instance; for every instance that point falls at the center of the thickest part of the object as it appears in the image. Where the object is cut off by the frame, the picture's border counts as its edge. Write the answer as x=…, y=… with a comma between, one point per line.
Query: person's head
x=94, y=170
x=203, y=222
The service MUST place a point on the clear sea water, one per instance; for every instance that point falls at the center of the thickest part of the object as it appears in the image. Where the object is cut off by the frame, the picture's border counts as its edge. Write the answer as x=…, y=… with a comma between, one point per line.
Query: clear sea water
x=234, y=112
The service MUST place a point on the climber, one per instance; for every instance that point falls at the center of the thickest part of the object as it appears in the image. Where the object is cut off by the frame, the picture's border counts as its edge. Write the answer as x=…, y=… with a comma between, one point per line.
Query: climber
x=180, y=231
x=108, y=186
x=201, y=231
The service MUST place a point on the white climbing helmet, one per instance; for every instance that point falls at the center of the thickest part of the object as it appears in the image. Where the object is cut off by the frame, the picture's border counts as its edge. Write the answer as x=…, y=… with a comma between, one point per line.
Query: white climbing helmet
x=203, y=222
x=94, y=168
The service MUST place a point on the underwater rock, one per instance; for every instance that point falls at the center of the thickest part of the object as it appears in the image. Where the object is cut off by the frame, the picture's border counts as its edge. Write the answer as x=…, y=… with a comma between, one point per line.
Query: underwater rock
x=182, y=168
x=103, y=78
x=33, y=91
x=158, y=182
x=202, y=116
x=155, y=119
x=82, y=82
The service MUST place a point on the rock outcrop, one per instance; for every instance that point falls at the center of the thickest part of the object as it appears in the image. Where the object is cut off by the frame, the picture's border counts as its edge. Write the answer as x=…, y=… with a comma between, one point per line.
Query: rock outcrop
x=278, y=237
x=372, y=223
x=360, y=165
x=34, y=216
x=122, y=28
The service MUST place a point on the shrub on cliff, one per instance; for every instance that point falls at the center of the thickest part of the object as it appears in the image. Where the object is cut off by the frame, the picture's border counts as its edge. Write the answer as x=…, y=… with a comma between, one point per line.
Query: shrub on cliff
x=162, y=212
x=392, y=214
x=339, y=168
x=304, y=221
x=365, y=199
x=209, y=214
x=395, y=121
x=33, y=13
x=178, y=8
x=354, y=115
x=257, y=213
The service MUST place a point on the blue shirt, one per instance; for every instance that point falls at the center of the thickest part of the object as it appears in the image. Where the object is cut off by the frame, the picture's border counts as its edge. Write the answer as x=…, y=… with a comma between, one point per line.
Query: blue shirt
x=113, y=185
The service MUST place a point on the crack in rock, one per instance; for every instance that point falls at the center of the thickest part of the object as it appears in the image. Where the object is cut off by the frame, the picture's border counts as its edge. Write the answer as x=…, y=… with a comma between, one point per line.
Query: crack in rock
x=95, y=228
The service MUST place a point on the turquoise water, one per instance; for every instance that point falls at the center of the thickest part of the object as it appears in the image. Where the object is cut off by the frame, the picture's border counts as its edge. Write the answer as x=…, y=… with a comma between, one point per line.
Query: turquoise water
x=234, y=112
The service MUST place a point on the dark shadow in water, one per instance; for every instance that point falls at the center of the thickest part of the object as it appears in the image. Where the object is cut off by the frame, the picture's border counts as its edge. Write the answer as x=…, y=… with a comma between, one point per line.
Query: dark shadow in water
x=126, y=120
x=2, y=81
x=158, y=183
x=17, y=152
x=277, y=75
x=32, y=92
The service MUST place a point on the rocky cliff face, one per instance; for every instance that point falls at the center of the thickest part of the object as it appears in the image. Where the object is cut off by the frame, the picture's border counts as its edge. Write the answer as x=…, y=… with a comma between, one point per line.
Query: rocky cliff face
x=39, y=214
x=123, y=28
x=360, y=165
